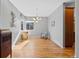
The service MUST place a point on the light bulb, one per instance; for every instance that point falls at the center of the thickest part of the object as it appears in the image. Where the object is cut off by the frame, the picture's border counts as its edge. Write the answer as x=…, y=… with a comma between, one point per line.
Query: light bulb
x=37, y=18
x=34, y=19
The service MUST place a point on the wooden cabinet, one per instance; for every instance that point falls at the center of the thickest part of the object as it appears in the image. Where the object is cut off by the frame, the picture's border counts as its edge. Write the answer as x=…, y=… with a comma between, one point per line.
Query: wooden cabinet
x=5, y=43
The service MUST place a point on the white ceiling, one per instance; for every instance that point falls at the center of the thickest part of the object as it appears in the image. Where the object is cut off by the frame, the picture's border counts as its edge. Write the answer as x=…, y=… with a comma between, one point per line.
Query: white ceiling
x=28, y=7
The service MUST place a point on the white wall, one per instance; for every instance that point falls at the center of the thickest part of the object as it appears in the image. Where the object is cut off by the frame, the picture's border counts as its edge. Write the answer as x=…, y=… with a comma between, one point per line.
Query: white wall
x=56, y=32
x=4, y=14
x=40, y=27
x=6, y=8
x=5, y=21
x=77, y=28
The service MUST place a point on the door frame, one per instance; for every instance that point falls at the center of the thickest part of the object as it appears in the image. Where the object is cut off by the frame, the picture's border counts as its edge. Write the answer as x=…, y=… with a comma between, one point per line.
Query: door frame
x=64, y=6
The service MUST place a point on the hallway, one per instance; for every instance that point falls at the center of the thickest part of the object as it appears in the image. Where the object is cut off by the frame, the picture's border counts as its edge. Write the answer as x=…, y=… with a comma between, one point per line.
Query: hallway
x=40, y=48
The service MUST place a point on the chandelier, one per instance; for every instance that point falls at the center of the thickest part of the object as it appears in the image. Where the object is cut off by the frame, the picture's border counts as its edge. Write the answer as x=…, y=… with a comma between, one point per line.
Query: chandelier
x=36, y=18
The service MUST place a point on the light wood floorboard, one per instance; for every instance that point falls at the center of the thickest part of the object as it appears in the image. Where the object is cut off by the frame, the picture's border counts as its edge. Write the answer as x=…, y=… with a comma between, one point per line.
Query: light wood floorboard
x=41, y=48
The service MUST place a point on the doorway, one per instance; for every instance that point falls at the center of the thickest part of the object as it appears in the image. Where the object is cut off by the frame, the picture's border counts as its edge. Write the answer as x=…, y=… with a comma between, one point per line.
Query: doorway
x=69, y=39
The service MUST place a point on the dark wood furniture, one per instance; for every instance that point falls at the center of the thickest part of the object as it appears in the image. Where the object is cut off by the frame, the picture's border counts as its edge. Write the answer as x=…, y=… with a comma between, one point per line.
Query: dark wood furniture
x=5, y=43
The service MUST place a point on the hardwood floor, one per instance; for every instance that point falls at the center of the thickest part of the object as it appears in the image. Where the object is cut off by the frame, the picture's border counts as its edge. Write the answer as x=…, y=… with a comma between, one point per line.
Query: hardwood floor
x=41, y=48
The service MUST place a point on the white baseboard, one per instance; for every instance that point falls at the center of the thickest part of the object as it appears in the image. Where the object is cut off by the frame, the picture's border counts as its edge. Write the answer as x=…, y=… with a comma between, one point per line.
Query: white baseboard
x=58, y=44
x=13, y=45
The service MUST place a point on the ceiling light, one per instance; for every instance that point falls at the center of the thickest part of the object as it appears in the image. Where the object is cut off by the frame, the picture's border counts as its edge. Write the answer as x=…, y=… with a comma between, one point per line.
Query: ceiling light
x=36, y=18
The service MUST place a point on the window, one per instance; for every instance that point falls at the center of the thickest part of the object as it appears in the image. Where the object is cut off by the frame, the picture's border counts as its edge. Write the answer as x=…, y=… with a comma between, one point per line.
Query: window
x=29, y=26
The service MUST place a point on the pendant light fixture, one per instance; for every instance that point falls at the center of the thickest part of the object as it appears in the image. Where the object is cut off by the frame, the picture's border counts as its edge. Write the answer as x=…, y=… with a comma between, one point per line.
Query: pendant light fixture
x=36, y=18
